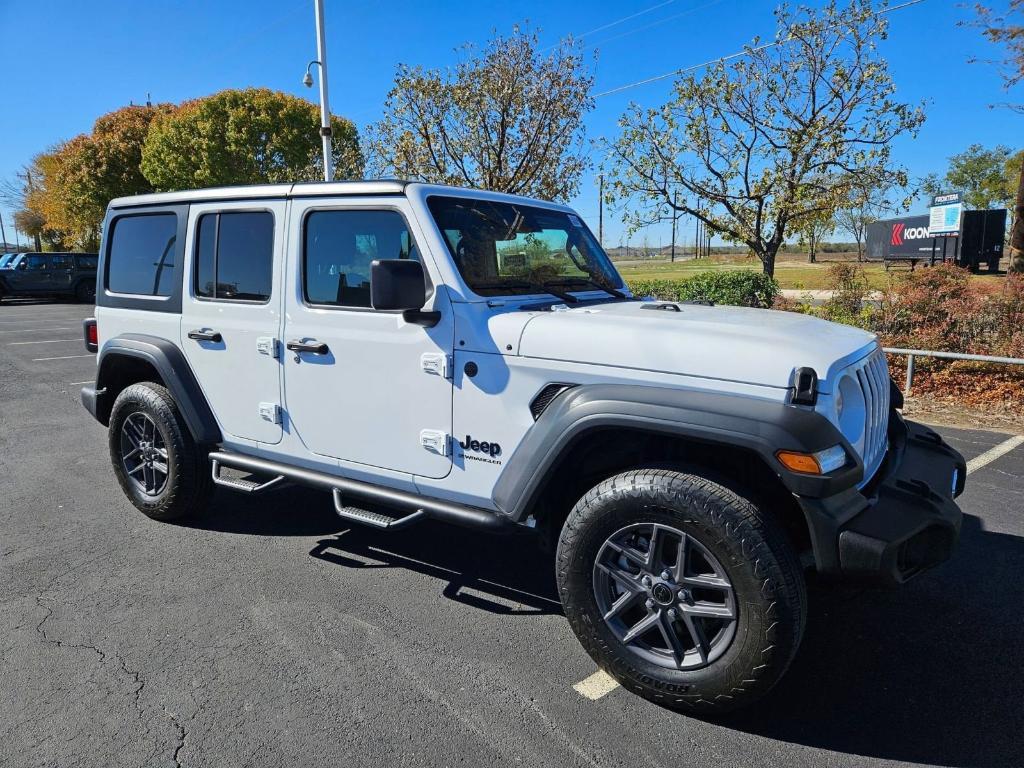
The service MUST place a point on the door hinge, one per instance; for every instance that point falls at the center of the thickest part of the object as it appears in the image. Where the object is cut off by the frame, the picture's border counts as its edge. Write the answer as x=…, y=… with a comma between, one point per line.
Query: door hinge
x=267, y=345
x=437, y=364
x=270, y=412
x=436, y=441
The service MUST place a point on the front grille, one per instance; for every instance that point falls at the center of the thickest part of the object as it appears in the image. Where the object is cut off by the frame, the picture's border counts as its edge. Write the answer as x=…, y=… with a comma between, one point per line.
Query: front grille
x=873, y=376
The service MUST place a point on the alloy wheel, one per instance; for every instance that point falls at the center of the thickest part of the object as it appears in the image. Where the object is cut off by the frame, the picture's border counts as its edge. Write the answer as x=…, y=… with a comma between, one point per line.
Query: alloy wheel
x=665, y=596
x=144, y=454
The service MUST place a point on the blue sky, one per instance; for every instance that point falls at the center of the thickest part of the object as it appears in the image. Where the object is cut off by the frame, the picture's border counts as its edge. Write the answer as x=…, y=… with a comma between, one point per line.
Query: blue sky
x=97, y=57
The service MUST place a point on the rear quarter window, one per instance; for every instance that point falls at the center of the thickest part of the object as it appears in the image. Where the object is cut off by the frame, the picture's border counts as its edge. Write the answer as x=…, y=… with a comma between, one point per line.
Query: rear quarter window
x=86, y=262
x=142, y=254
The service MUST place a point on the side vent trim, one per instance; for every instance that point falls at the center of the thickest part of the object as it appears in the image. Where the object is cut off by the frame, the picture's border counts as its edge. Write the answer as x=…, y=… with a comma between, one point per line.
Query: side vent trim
x=545, y=396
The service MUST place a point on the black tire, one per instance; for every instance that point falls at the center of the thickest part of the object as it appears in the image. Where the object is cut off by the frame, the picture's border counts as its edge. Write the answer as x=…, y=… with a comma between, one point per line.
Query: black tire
x=768, y=601
x=85, y=293
x=186, y=484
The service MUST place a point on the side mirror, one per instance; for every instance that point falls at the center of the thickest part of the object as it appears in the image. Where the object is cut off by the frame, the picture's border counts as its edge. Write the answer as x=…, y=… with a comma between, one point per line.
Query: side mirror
x=23, y=266
x=399, y=284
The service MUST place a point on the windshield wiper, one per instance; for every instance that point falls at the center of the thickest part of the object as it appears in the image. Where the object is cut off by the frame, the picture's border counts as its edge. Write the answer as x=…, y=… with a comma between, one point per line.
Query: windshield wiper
x=544, y=287
x=588, y=281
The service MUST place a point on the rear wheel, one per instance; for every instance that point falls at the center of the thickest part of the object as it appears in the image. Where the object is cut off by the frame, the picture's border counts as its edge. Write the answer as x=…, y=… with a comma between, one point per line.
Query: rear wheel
x=158, y=464
x=681, y=589
x=85, y=293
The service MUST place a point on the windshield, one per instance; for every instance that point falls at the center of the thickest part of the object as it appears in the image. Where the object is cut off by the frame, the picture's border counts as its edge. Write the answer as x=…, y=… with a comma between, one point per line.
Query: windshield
x=507, y=248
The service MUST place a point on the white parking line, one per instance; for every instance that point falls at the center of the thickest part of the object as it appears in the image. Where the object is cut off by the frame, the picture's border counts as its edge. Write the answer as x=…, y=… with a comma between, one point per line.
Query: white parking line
x=597, y=685
x=44, y=341
x=994, y=453
x=41, y=330
x=74, y=383
x=64, y=357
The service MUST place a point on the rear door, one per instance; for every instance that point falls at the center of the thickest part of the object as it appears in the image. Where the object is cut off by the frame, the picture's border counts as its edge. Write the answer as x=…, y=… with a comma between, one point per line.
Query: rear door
x=61, y=271
x=376, y=390
x=230, y=313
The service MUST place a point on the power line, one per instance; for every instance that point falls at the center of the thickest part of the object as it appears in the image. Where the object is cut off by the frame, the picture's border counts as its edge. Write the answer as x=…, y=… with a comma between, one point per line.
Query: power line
x=745, y=52
x=645, y=27
x=624, y=19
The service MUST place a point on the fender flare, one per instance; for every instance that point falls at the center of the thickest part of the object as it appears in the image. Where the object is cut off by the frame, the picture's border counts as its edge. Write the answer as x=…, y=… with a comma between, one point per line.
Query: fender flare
x=760, y=426
x=175, y=372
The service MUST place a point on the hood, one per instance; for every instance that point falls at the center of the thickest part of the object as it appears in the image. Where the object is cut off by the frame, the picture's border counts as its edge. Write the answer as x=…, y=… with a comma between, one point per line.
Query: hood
x=756, y=346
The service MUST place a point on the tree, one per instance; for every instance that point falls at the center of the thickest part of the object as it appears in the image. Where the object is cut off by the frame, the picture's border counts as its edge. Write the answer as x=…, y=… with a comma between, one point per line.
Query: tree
x=978, y=173
x=862, y=207
x=1005, y=28
x=782, y=134
x=246, y=136
x=506, y=118
x=67, y=188
x=811, y=229
x=1017, y=218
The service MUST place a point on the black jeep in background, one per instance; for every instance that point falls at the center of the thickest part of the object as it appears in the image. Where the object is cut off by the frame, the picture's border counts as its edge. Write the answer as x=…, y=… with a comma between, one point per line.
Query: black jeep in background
x=50, y=274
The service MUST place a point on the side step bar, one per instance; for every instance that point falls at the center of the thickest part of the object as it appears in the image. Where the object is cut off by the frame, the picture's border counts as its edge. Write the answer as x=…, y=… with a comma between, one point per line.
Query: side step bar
x=419, y=507
x=240, y=484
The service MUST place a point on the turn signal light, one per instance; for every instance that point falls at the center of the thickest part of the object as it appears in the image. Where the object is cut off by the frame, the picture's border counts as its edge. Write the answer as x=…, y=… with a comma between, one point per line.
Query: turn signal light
x=799, y=462
x=819, y=463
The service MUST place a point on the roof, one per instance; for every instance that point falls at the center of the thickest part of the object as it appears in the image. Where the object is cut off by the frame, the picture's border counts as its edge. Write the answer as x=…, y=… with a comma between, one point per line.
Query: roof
x=317, y=189
x=257, y=191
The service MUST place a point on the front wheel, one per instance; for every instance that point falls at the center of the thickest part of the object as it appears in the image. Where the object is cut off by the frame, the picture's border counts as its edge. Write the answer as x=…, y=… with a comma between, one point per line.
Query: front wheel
x=684, y=591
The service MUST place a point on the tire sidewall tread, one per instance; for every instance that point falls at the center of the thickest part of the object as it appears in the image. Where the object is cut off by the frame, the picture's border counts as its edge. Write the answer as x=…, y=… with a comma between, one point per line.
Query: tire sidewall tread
x=770, y=591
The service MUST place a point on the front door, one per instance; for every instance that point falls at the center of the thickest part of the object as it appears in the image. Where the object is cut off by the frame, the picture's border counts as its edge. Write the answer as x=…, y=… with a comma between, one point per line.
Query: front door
x=231, y=313
x=369, y=387
x=32, y=274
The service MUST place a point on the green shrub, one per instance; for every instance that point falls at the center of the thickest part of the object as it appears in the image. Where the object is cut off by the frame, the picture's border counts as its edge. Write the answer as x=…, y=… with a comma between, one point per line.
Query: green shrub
x=744, y=288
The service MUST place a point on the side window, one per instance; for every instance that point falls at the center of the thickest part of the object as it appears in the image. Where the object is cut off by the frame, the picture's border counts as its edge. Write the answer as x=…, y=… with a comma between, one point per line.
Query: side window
x=86, y=262
x=60, y=261
x=141, y=256
x=234, y=256
x=338, y=249
x=37, y=263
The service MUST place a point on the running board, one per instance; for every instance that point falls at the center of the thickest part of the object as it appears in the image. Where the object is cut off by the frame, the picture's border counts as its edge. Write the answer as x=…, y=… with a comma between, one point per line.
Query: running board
x=241, y=484
x=418, y=507
x=373, y=519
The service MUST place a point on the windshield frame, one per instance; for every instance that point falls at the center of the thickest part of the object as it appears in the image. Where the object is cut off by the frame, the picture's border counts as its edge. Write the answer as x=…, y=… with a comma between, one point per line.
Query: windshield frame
x=538, y=291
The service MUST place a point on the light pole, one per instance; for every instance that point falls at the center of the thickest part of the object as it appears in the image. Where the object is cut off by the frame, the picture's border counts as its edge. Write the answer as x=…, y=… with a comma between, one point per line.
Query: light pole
x=325, y=110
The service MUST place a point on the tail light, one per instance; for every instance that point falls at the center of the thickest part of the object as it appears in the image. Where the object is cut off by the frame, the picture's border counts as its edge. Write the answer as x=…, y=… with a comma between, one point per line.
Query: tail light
x=92, y=336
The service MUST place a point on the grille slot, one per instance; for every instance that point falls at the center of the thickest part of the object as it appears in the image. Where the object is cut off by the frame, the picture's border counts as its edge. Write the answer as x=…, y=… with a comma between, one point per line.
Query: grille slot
x=872, y=375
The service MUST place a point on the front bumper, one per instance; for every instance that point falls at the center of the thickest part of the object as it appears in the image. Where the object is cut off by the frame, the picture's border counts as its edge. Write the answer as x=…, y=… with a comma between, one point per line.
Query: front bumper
x=903, y=522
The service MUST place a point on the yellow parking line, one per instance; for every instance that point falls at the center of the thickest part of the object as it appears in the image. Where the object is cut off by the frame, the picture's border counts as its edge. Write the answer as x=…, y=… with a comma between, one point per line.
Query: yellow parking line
x=597, y=685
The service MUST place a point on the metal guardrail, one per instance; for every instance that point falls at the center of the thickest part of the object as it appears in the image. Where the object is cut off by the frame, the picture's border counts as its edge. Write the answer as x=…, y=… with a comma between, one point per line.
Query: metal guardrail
x=912, y=353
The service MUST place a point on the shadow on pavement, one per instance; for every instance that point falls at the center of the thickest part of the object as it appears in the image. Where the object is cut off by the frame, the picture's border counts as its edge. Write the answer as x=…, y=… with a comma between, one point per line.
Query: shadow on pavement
x=508, y=574
x=928, y=673
x=504, y=574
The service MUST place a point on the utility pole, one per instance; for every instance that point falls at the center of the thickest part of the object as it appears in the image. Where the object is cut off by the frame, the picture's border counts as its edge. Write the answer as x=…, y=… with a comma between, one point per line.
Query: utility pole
x=3, y=233
x=325, y=112
x=600, y=211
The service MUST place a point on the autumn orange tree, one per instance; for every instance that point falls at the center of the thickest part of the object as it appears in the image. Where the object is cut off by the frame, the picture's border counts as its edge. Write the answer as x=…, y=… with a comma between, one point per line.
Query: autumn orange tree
x=67, y=188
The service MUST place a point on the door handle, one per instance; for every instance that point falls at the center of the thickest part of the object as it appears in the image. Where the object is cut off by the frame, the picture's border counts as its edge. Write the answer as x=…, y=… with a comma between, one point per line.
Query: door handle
x=213, y=336
x=313, y=347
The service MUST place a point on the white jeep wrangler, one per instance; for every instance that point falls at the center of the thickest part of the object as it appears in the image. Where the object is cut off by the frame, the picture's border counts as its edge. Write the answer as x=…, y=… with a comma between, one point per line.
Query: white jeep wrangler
x=472, y=357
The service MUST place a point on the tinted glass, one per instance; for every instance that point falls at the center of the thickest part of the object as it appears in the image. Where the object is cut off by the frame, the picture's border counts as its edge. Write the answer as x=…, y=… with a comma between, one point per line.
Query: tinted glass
x=86, y=262
x=505, y=248
x=235, y=255
x=141, y=257
x=37, y=262
x=339, y=246
x=61, y=261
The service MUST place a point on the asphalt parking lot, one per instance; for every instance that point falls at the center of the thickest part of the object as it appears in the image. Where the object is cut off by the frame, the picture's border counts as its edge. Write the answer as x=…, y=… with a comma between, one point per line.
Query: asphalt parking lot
x=272, y=634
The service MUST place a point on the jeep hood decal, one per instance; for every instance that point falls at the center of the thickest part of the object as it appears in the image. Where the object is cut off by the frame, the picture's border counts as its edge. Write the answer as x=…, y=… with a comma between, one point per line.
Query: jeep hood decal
x=756, y=346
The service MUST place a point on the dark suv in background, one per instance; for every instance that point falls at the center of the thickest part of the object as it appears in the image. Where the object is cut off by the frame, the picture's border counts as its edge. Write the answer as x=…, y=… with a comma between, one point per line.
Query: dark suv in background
x=50, y=274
